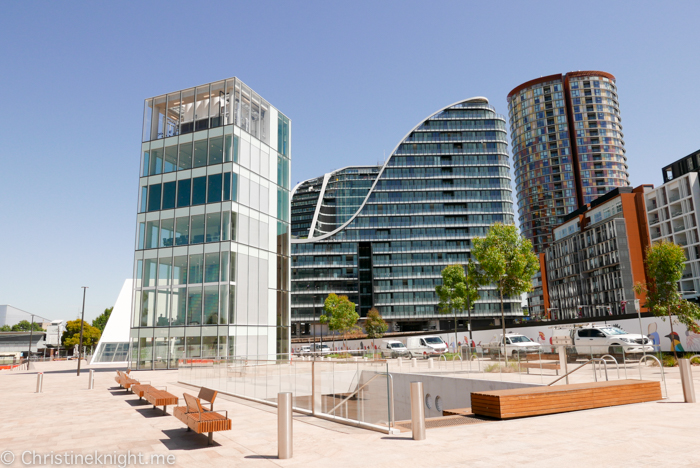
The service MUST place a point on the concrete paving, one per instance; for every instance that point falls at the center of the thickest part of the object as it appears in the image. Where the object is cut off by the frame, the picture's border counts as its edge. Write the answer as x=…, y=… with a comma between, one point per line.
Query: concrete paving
x=67, y=417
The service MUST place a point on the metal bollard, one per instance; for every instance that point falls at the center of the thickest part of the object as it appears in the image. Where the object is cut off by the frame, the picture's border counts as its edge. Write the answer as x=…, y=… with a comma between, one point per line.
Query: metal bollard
x=284, y=425
x=91, y=380
x=414, y=362
x=431, y=363
x=417, y=411
x=687, y=380
x=39, y=382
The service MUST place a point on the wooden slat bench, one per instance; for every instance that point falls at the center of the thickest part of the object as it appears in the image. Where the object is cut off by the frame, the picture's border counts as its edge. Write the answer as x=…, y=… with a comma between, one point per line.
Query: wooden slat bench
x=124, y=380
x=540, y=365
x=162, y=398
x=534, y=401
x=200, y=420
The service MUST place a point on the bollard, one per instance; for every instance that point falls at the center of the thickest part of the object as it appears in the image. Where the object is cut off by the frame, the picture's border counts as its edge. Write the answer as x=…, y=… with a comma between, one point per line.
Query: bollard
x=417, y=411
x=414, y=362
x=284, y=425
x=39, y=382
x=431, y=363
x=91, y=380
x=687, y=380
x=400, y=361
x=562, y=361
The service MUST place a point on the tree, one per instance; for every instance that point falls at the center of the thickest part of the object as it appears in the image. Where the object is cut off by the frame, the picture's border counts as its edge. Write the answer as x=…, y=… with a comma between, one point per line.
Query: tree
x=101, y=321
x=506, y=260
x=375, y=326
x=26, y=325
x=665, y=262
x=339, y=313
x=457, y=292
x=5, y=328
x=71, y=336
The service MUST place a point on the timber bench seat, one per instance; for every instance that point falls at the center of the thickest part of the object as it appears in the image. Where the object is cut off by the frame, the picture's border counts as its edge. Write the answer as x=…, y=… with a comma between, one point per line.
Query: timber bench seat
x=540, y=365
x=124, y=380
x=158, y=397
x=201, y=420
x=535, y=401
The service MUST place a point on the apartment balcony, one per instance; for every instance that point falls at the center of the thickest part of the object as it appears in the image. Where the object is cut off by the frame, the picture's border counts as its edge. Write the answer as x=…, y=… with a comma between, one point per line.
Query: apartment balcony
x=678, y=227
x=651, y=205
x=654, y=220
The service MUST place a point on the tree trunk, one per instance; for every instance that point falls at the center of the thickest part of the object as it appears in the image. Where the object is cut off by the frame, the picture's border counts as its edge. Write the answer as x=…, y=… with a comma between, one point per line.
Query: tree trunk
x=503, y=324
x=455, y=330
x=673, y=345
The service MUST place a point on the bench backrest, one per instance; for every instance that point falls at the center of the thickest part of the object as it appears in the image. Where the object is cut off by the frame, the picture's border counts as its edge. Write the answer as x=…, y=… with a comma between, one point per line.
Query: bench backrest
x=193, y=405
x=207, y=394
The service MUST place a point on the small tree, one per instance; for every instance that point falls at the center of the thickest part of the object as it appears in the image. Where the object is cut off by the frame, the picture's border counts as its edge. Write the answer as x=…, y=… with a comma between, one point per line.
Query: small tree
x=506, y=260
x=665, y=262
x=101, y=321
x=375, y=326
x=71, y=336
x=457, y=292
x=26, y=325
x=5, y=328
x=339, y=313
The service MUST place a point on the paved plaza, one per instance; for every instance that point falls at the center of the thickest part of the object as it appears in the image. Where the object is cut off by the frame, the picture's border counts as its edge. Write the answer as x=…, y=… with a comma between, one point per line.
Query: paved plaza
x=67, y=417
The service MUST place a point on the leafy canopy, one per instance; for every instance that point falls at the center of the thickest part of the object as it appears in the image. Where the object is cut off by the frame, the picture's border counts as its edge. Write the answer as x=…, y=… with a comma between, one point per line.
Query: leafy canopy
x=101, y=321
x=506, y=259
x=71, y=336
x=375, y=326
x=26, y=325
x=339, y=313
x=665, y=264
x=458, y=290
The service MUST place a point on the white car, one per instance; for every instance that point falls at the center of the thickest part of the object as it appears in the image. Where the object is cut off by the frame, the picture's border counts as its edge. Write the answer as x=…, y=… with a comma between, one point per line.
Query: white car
x=592, y=339
x=516, y=344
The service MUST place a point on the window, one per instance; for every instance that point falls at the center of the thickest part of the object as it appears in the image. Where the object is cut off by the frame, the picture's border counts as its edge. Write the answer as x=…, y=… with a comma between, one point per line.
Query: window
x=146, y=160
x=170, y=162
x=144, y=199
x=199, y=192
x=216, y=150
x=214, y=188
x=196, y=268
x=180, y=270
x=185, y=161
x=200, y=153
x=166, y=233
x=152, y=234
x=156, y=161
x=213, y=227
x=182, y=230
x=154, y=197
x=197, y=229
x=227, y=186
x=211, y=267
x=183, y=192
x=169, y=190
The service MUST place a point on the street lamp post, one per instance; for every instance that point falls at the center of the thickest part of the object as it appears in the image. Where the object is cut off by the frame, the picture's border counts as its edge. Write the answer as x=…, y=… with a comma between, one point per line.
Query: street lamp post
x=31, y=335
x=80, y=343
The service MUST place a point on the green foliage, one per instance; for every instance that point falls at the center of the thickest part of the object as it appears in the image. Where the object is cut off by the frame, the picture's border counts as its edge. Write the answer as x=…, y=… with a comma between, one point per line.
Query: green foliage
x=339, y=313
x=26, y=325
x=101, y=321
x=375, y=326
x=71, y=336
x=457, y=291
x=506, y=259
x=5, y=328
x=665, y=263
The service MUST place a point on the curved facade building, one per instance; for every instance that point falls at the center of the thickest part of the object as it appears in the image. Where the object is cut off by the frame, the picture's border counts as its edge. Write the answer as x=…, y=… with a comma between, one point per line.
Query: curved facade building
x=383, y=234
x=568, y=147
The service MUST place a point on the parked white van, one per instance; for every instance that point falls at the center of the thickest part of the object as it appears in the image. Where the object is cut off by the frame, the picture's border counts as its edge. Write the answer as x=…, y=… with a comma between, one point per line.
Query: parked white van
x=426, y=346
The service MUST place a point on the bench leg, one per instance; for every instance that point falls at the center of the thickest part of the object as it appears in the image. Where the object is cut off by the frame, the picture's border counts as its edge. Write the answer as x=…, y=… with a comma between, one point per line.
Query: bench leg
x=188, y=429
x=211, y=438
x=165, y=411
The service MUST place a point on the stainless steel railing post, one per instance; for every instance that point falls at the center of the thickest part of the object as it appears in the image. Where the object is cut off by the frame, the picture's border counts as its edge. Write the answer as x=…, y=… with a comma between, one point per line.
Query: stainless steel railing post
x=39, y=382
x=284, y=425
x=91, y=379
x=687, y=380
x=417, y=411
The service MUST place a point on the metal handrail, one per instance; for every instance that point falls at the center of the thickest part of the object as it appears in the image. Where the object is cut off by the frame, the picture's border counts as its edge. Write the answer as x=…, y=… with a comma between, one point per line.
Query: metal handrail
x=353, y=394
x=663, y=375
x=587, y=362
x=614, y=360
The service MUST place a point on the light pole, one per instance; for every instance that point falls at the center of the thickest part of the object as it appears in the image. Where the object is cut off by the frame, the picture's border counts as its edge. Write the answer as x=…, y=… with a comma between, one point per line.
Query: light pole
x=82, y=321
x=31, y=334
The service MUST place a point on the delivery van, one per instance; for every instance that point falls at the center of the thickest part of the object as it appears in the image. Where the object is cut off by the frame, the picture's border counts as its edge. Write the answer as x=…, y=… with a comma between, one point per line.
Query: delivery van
x=426, y=346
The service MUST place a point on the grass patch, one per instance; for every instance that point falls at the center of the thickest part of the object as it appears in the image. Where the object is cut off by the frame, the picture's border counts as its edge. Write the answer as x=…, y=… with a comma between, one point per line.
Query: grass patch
x=507, y=368
x=340, y=356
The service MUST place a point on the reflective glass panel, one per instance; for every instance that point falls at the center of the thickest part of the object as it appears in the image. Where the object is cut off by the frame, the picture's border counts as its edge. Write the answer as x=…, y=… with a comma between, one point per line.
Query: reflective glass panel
x=183, y=192
x=213, y=227
x=170, y=162
x=214, y=188
x=200, y=153
x=196, y=268
x=169, y=190
x=182, y=230
x=211, y=267
x=197, y=229
x=180, y=270
x=199, y=190
x=185, y=160
x=166, y=232
x=194, y=305
x=154, y=197
x=211, y=305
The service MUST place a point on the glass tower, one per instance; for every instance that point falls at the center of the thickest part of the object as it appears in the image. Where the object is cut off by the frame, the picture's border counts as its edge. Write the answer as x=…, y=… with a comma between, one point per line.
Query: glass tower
x=212, y=242
x=568, y=147
x=383, y=234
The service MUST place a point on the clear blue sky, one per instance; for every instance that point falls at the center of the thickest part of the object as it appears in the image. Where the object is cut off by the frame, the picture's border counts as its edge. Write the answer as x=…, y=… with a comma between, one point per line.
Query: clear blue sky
x=354, y=77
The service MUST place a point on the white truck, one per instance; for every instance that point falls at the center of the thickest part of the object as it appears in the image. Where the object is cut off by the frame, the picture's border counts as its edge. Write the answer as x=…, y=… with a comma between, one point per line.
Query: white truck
x=515, y=345
x=426, y=346
x=605, y=339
